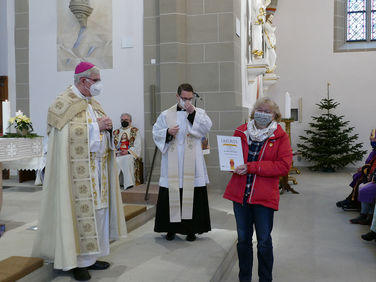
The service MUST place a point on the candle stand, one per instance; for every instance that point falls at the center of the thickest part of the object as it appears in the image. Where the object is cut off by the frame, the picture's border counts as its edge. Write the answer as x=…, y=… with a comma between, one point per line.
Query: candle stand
x=284, y=180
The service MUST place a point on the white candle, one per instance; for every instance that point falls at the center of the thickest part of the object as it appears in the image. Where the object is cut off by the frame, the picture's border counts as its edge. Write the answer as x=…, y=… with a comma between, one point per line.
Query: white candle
x=19, y=113
x=287, y=105
x=6, y=116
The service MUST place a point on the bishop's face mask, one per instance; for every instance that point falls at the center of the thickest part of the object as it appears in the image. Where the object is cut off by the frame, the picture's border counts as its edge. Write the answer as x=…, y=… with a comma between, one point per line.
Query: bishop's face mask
x=262, y=119
x=96, y=88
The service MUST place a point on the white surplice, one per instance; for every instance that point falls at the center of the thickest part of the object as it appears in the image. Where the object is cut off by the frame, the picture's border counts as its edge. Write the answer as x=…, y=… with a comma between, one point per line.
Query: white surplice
x=198, y=129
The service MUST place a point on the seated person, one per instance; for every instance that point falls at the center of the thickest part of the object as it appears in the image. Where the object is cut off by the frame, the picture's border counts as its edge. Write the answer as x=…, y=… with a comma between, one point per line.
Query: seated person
x=371, y=235
x=367, y=197
x=361, y=176
x=127, y=141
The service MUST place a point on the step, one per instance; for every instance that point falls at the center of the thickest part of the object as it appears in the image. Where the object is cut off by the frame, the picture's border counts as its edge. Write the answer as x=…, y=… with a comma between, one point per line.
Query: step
x=16, y=267
x=137, y=215
x=136, y=195
x=131, y=211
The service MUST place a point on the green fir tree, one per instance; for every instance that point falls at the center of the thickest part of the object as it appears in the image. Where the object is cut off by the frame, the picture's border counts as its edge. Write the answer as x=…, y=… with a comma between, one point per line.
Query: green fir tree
x=329, y=143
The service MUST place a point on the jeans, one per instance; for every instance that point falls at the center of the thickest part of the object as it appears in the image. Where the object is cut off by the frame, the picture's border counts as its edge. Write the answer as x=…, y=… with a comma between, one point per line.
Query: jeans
x=261, y=217
x=367, y=208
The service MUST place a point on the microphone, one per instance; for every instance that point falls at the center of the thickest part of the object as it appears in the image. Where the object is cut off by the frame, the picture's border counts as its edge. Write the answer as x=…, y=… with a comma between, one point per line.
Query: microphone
x=198, y=96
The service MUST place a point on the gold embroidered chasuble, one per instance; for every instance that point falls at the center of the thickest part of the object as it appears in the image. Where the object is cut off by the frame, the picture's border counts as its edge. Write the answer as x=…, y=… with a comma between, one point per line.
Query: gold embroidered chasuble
x=77, y=182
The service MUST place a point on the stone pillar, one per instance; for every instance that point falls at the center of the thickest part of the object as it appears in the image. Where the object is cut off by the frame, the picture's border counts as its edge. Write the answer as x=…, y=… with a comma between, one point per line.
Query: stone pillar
x=1, y=185
x=194, y=41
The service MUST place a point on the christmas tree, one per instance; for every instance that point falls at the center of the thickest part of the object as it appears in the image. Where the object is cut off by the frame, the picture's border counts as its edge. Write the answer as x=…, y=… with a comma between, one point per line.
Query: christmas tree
x=329, y=143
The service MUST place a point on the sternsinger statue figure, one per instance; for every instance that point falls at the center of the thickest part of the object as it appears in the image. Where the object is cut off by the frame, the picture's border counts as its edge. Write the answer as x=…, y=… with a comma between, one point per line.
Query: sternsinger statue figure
x=182, y=205
x=81, y=206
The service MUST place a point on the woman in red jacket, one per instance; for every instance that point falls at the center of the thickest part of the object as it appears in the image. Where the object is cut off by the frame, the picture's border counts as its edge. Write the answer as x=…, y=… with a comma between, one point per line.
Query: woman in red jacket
x=253, y=187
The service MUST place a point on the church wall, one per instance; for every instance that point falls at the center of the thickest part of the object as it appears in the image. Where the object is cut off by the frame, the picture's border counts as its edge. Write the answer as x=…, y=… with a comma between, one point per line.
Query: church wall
x=7, y=48
x=306, y=62
x=21, y=36
x=4, y=38
x=123, y=84
x=193, y=41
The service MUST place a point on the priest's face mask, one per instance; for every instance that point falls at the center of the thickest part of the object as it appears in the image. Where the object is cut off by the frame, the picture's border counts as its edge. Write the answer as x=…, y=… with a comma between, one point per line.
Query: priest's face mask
x=184, y=98
x=125, y=121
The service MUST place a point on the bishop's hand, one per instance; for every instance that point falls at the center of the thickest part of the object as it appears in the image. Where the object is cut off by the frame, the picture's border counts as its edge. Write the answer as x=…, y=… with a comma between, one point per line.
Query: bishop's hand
x=104, y=123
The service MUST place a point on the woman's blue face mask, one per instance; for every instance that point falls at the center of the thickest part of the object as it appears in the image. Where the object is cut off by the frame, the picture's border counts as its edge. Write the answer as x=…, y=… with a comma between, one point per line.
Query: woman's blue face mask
x=373, y=144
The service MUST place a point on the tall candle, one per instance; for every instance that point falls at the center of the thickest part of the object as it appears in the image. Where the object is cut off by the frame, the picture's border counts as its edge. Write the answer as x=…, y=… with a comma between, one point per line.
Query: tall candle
x=287, y=105
x=6, y=116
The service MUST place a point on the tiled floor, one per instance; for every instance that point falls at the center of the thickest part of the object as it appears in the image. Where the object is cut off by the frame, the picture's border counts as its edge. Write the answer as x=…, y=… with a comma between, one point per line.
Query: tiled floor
x=313, y=240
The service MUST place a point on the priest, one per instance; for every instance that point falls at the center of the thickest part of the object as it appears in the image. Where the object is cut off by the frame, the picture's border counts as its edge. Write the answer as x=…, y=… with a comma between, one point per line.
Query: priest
x=127, y=141
x=182, y=205
x=81, y=206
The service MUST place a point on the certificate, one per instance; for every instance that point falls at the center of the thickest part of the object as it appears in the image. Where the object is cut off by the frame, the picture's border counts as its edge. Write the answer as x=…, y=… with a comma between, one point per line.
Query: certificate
x=230, y=152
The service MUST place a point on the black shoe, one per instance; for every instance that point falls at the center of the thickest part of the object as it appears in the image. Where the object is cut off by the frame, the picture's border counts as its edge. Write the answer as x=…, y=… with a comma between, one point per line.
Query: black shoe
x=191, y=237
x=99, y=265
x=351, y=207
x=358, y=219
x=170, y=236
x=343, y=202
x=367, y=220
x=369, y=236
x=81, y=274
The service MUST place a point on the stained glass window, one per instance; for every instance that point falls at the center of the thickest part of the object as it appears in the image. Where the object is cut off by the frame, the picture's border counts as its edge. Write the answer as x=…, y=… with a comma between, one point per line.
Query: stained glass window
x=373, y=20
x=356, y=20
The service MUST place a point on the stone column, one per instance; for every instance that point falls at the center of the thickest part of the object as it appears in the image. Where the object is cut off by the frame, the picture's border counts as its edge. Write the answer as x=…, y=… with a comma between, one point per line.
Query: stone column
x=1, y=185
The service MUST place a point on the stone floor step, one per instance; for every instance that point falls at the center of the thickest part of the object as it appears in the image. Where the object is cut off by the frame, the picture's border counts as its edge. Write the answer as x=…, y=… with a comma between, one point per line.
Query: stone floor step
x=131, y=211
x=137, y=215
x=16, y=267
x=136, y=195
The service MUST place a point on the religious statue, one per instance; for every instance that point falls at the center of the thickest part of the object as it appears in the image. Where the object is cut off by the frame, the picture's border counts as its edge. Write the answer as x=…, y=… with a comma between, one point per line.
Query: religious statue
x=270, y=38
x=257, y=10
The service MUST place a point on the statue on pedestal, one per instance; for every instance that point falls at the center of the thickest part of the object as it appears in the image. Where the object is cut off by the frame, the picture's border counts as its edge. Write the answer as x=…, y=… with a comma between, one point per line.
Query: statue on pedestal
x=270, y=39
x=257, y=10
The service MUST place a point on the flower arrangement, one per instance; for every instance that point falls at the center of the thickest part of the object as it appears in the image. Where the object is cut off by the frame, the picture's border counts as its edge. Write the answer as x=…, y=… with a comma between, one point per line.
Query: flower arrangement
x=22, y=123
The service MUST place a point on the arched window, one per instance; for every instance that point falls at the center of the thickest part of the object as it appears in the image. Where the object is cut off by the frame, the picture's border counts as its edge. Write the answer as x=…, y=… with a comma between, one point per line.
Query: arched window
x=361, y=20
x=354, y=25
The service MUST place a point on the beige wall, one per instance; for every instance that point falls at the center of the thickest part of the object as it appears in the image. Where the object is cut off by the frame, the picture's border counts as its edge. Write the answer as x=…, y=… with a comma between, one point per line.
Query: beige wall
x=22, y=55
x=306, y=62
x=194, y=41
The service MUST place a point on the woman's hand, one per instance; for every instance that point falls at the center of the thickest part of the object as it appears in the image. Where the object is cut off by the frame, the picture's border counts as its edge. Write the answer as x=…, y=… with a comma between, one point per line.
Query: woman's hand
x=241, y=169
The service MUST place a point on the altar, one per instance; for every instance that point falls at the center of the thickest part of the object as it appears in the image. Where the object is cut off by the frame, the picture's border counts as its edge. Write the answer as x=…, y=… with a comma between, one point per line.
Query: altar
x=16, y=152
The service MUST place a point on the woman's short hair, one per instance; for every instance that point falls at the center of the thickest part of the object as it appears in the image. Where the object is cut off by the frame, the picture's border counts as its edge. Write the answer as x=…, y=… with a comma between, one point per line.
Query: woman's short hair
x=273, y=107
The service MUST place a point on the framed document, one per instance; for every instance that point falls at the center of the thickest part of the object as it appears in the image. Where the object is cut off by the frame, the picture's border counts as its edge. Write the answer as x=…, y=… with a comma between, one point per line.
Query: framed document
x=230, y=152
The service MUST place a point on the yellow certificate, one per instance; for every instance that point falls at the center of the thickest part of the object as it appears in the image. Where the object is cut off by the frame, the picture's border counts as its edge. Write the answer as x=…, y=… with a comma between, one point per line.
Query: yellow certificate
x=230, y=152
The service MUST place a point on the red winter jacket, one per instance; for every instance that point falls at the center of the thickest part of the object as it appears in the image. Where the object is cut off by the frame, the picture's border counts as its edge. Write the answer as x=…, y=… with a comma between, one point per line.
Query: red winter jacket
x=274, y=160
